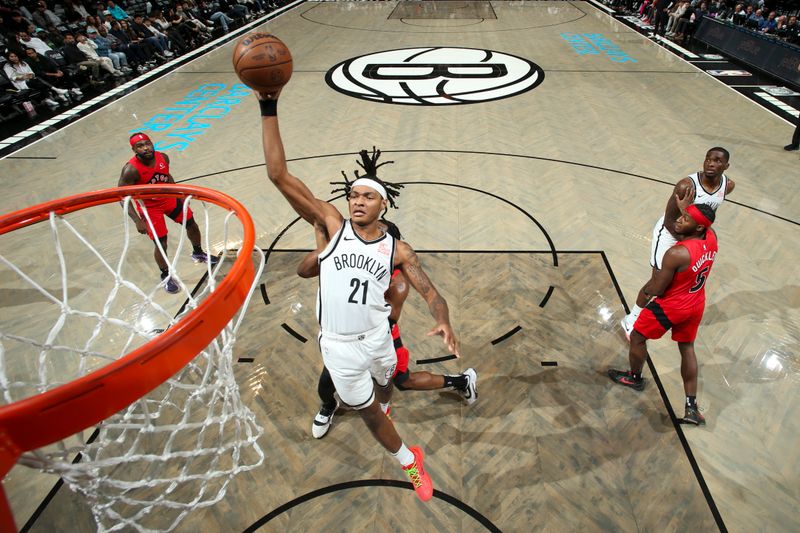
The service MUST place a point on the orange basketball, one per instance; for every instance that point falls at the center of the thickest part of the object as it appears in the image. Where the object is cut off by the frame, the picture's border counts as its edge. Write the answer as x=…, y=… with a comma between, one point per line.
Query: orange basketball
x=262, y=62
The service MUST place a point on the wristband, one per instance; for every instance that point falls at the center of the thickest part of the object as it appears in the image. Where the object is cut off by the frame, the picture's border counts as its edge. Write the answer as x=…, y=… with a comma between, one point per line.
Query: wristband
x=269, y=108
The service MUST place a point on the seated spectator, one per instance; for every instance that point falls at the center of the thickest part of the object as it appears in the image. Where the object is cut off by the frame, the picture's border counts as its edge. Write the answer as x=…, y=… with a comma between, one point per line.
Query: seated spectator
x=103, y=47
x=53, y=40
x=189, y=30
x=75, y=56
x=117, y=12
x=137, y=55
x=234, y=9
x=149, y=49
x=738, y=15
x=675, y=15
x=689, y=23
x=108, y=21
x=89, y=48
x=16, y=23
x=26, y=41
x=144, y=33
x=192, y=16
x=91, y=22
x=255, y=6
x=23, y=78
x=177, y=43
x=769, y=24
x=754, y=21
x=74, y=11
x=46, y=69
x=792, y=31
x=45, y=18
x=215, y=16
x=100, y=9
x=717, y=9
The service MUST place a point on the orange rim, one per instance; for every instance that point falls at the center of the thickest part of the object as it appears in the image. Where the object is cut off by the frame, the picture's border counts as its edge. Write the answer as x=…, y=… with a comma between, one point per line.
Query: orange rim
x=65, y=410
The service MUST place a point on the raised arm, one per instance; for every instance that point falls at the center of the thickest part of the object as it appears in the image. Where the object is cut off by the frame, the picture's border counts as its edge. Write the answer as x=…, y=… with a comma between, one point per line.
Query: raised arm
x=681, y=198
x=407, y=260
x=309, y=265
x=311, y=209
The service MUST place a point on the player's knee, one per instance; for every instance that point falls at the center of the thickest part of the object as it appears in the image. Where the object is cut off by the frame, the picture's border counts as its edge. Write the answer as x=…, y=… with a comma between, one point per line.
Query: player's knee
x=401, y=380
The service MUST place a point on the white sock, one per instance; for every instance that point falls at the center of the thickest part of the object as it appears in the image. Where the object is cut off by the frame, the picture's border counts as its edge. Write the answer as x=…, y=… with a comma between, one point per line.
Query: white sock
x=404, y=455
x=635, y=311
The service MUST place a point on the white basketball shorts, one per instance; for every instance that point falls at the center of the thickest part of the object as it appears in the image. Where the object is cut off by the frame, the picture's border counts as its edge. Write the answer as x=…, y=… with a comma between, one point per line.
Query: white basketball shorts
x=355, y=360
x=662, y=241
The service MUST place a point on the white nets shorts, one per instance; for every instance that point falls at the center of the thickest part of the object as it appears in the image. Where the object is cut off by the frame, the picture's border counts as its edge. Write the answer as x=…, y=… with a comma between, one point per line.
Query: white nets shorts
x=355, y=360
x=662, y=241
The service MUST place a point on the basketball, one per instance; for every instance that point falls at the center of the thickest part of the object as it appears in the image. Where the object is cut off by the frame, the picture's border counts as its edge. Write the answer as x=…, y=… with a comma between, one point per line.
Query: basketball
x=262, y=62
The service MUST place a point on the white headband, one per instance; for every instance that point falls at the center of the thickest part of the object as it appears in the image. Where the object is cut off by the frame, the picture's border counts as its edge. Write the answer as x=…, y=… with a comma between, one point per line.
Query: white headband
x=372, y=184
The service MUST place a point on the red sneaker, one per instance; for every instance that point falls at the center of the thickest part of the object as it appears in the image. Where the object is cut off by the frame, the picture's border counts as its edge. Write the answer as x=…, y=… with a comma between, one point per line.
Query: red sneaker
x=420, y=479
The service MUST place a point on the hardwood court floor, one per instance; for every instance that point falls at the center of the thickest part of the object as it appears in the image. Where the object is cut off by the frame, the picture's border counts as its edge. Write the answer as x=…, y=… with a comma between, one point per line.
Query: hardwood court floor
x=581, y=164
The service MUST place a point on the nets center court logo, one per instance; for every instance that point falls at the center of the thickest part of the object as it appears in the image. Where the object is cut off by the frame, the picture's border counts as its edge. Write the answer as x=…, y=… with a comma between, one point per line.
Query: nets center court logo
x=434, y=76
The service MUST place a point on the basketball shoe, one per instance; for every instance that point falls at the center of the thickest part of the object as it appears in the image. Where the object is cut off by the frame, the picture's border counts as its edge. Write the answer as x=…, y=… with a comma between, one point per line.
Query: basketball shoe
x=170, y=285
x=470, y=392
x=420, y=479
x=322, y=422
x=625, y=377
x=692, y=416
x=203, y=257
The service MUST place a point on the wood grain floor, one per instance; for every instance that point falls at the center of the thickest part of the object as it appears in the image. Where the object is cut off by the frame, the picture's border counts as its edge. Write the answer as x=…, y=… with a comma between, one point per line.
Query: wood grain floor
x=532, y=215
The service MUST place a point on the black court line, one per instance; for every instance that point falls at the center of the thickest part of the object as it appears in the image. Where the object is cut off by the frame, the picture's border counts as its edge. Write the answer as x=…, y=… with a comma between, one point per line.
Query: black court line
x=499, y=154
x=52, y=494
x=547, y=297
x=57, y=486
x=436, y=359
x=485, y=522
x=293, y=333
x=503, y=337
x=445, y=30
x=264, y=296
x=684, y=443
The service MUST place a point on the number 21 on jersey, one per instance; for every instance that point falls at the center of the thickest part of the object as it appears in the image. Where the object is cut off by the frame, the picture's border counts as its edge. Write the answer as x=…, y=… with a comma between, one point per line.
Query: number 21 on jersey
x=359, y=289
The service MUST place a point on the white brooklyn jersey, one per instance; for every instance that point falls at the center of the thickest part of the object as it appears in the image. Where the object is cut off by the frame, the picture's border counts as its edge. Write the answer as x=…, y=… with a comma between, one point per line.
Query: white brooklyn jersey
x=711, y=199
x=354, y=274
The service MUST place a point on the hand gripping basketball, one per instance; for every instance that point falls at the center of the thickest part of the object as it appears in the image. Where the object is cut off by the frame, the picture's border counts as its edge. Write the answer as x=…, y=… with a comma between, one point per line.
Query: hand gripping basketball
x=263, y=63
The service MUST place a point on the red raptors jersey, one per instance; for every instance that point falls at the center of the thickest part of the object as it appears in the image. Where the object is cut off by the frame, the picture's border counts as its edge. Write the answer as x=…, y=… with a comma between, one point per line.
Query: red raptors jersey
x=688, y=288
x=158, y=173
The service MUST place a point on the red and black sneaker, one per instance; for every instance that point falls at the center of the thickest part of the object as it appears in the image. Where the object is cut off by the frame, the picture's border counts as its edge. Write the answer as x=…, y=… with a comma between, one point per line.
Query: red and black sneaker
x=625, y=377
x=692, y=416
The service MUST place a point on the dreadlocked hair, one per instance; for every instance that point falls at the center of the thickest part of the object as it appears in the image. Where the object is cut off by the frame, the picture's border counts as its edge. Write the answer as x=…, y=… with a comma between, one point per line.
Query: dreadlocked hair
x=369, y=163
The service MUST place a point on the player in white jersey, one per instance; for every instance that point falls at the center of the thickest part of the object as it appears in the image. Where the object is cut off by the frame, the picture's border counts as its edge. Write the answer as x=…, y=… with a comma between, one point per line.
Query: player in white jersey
x=356, y=268
x=709, y=187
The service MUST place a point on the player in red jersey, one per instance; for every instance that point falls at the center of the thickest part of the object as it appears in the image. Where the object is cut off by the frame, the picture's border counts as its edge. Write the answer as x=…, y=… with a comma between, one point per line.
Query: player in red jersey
x=465, y=383
x=680, y=297
x=145, y=167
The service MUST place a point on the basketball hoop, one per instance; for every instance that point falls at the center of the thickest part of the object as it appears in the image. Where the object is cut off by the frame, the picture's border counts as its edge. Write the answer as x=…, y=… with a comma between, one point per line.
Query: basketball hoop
x=175, y=388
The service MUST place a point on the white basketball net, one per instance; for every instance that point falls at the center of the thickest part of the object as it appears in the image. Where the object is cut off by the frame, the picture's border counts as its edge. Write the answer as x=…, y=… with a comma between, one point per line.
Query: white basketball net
x=177, y=448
